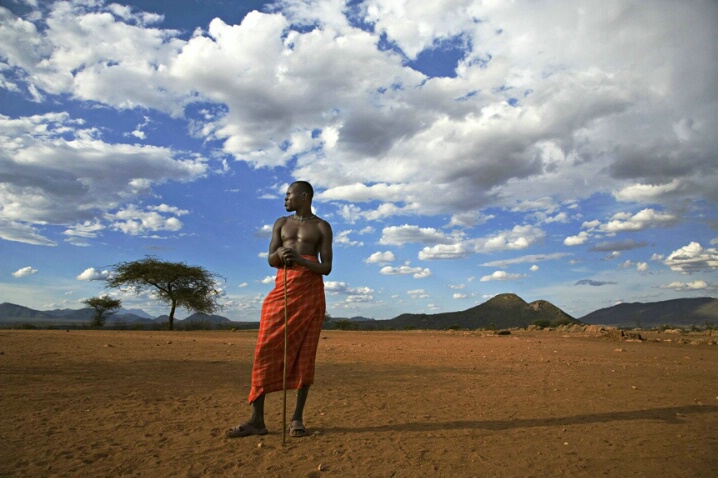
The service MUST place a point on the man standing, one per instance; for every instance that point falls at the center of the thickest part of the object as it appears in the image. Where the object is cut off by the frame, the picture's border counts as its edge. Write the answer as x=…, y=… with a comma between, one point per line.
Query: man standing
x=303, y=243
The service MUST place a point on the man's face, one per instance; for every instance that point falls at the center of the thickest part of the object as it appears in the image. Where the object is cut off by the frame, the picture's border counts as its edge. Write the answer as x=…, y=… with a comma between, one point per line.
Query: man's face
x=293, y=198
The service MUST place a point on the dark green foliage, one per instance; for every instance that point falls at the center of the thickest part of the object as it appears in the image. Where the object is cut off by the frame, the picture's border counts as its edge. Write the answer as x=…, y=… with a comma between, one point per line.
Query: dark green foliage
x=104, y=306
x=174, y=283
x=346, y=325
x=562, y=321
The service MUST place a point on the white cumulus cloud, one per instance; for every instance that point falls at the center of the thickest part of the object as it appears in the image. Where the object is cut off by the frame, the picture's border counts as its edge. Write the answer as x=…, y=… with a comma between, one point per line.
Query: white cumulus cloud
x=689, y=286
x=501, y=276
x=416, y=272
x=692, y=258
x=24, y=272
x=380, y=257
x=93, y=274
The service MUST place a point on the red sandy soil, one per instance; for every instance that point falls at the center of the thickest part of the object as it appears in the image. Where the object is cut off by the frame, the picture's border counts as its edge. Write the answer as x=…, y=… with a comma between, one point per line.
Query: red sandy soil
x=385, y=404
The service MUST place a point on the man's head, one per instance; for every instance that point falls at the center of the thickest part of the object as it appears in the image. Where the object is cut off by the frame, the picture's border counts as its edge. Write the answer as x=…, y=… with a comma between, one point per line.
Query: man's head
x=303, y=188
x=299, y=197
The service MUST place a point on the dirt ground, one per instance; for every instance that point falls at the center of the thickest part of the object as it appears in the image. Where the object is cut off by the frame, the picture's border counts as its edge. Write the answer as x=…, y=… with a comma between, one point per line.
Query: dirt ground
x=385, y=404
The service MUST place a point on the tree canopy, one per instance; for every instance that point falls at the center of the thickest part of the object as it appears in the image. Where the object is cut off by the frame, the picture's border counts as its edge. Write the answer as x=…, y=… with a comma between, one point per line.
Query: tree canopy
x=173, y=283
x=104, y=306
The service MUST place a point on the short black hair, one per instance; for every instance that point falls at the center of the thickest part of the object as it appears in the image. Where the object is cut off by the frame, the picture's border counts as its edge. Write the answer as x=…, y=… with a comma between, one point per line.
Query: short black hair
x=305, y=187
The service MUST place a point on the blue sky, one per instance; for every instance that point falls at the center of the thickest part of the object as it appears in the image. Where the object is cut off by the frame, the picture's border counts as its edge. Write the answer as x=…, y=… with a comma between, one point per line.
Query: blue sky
x=460, y=149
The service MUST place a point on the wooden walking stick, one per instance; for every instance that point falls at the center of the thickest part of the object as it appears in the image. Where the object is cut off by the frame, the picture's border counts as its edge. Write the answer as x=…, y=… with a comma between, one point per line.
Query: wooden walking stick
x=284, y=373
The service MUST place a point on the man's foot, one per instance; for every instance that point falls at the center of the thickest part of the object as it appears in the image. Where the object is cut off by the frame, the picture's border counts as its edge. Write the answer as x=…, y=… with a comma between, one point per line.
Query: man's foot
x=245, y=430
x=296, y=429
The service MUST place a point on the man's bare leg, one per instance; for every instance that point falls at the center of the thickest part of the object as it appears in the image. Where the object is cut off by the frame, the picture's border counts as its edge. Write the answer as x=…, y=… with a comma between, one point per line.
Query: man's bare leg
x=302, y=394
x=257, y=418
x=296, y=429
x=255, y=425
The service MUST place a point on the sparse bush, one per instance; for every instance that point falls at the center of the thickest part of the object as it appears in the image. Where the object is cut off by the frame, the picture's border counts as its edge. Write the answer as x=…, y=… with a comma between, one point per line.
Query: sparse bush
x=543, y=323
x=560, y=322
x=197, y=325
x=104, y=306
x=346, y=325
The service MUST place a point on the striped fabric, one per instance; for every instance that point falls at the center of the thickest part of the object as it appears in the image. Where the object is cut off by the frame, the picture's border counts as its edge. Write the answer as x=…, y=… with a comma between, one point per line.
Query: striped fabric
x=306, y=306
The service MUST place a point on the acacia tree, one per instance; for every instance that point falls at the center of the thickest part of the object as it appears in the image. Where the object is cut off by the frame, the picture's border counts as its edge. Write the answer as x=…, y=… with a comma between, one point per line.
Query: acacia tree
x=104, y=306
x=174, y=283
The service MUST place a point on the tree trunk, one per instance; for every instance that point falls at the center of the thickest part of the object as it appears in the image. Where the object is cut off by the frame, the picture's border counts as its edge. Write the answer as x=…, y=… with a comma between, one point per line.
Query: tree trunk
x=172, y=314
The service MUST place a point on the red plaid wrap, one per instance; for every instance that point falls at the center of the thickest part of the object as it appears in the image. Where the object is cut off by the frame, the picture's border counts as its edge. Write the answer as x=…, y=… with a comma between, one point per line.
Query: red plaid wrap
x=305, y=314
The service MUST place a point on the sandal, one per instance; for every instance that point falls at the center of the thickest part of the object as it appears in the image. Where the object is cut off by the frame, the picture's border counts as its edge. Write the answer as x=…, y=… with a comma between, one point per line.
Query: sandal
x=296, y=429
x=245, y=430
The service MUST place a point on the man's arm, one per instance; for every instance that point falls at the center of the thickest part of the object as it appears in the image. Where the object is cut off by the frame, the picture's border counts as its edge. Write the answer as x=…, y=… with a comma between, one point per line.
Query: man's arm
x=275, y=258
x=326, y=254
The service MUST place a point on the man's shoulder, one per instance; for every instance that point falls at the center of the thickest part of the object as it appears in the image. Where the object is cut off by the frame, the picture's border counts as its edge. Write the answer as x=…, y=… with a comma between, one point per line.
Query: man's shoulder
x=281, y=221
x=323, y=222
x=324, y=227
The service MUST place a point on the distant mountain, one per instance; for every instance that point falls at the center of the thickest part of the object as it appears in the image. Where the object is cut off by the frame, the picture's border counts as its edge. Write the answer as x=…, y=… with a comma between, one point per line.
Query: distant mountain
x=502, y=311
x=13, y=313
x=206, y=319
x=17, y=313
x=134, y=312
x=678, y=312
x=116, y=319
x=62, y=312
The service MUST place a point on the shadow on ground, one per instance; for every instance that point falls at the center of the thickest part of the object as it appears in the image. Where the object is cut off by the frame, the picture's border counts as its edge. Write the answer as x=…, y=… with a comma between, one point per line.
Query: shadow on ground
x=671, y=415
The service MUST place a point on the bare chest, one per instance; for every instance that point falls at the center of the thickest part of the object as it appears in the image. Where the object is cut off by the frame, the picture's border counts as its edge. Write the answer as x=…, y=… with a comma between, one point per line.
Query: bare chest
x=305, y=236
